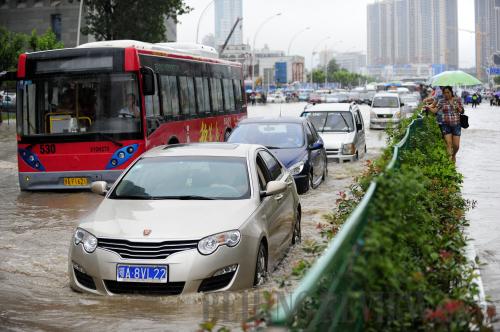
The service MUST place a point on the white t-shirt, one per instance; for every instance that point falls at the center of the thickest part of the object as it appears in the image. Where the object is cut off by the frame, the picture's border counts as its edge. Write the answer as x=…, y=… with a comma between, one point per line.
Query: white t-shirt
x=125, y=112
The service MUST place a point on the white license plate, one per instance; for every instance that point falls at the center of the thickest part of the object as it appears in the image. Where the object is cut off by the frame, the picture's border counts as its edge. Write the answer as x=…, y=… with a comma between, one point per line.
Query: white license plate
x=142, y=273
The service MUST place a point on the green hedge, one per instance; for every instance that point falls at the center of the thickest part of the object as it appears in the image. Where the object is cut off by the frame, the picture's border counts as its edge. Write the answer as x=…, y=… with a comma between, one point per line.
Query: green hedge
x=411, y=272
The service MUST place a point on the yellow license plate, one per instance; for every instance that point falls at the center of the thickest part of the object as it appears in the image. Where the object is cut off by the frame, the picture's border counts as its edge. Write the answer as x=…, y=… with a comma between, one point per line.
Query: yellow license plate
x=76, y=181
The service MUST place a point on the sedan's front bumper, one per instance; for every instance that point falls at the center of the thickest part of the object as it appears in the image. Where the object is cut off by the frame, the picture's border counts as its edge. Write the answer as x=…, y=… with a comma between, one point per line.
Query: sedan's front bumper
x=187, y=270
x=383, y=123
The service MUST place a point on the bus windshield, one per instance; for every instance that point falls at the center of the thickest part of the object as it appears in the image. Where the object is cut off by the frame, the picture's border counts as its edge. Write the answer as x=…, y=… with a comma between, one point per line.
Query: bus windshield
x=80, y=104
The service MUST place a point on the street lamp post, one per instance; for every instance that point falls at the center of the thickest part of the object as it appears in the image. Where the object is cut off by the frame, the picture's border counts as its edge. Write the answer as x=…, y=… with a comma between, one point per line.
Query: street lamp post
x=294, y=37
x=253, y=45
x=199, y=20
x=312, y=56
x=79, y=23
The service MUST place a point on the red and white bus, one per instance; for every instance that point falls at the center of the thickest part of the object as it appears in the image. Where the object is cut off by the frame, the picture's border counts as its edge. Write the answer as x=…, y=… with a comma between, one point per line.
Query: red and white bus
x=85, y=113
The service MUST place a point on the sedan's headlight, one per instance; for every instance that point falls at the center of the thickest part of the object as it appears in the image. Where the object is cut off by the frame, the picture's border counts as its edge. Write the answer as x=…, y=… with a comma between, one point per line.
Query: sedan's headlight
x=209, y=244
x=373, y=115
x=296, y=168
x=348, y=148
x=88, y=240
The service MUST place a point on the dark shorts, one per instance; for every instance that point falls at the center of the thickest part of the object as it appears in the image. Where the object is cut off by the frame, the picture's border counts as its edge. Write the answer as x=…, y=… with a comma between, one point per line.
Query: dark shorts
x=453, y=130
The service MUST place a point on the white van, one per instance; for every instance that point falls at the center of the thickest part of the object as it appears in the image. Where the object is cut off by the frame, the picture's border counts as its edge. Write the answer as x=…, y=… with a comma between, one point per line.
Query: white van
x=342, y=129
x=387, y=109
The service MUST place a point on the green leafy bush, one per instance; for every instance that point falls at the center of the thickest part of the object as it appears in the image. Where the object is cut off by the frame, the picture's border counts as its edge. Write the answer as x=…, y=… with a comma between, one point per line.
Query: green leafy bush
x=411, y=272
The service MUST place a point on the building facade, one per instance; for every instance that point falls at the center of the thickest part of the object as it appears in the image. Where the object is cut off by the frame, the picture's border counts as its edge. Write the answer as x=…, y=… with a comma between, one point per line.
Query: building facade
x=22, y=16
x=227, y=13
x=276, y=67
x=487, y=17
x=411, y=33
x=351, y=61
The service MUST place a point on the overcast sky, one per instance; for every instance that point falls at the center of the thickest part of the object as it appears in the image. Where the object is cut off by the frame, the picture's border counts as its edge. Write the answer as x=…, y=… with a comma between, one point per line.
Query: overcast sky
x=343, y=20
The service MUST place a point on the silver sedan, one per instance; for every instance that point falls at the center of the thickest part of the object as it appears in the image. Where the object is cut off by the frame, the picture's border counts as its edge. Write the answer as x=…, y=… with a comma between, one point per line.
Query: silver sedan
x=188, y=218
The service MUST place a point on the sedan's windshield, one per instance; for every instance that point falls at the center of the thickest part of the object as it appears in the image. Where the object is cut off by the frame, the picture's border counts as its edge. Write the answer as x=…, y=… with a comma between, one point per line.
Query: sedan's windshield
x=385, y=102
x=334, y=121
x=273, y=135
x=76, y=105
x=185, y=178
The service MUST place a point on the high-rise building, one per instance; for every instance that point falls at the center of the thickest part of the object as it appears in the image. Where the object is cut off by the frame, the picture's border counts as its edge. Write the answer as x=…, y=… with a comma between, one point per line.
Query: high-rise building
x=227, y=13
x=404, y=32
x=351, y=61
x=487, y=16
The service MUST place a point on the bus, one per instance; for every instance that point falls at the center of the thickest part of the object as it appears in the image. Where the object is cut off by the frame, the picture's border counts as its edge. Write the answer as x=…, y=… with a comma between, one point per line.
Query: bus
x=85, y=113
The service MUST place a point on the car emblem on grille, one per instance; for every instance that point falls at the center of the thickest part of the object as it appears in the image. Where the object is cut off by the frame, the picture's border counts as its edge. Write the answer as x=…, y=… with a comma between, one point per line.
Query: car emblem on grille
x=146, y=232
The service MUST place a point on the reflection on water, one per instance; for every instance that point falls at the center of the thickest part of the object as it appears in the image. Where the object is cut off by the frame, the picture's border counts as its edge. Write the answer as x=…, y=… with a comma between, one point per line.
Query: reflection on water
x=35, y=232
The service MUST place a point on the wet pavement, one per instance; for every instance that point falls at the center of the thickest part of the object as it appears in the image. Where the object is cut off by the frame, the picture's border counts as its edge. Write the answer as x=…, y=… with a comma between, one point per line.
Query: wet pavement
x=479, y=161
x=36, y=229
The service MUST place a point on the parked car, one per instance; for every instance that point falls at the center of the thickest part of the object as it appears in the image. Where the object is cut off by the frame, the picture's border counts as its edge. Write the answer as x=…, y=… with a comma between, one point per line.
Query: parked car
x=314, y=98
x=337, y=97
x=188, y=218
x=386, y=110
x=411, y=101
x=276, y=98
x=342, y=129
x=294, y=141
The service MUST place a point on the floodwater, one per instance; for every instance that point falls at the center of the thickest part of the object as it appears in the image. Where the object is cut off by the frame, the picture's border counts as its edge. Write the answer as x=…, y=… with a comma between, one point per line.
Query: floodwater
x=479, y=161
x=35, y=232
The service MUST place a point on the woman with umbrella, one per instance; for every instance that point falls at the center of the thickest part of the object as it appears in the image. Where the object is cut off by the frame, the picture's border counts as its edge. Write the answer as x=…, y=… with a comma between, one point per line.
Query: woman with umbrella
x=450, y=108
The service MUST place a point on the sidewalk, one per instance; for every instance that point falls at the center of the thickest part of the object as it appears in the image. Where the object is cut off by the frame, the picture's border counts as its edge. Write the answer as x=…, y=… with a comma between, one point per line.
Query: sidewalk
x=479, y=162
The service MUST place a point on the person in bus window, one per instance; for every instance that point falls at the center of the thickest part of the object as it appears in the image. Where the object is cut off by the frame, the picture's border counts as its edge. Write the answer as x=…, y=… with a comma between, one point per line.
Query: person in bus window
x=130, y=110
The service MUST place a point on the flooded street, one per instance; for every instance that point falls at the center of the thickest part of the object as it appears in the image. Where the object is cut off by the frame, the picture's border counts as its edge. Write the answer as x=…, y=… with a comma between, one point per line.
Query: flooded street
x=479, y=161
x=35, y=232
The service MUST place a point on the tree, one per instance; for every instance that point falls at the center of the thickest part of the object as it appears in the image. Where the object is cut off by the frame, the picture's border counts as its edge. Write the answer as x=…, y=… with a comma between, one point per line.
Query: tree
x=332, y=67
x=318, y=76
x=12, y=44
x=131, y=19
x=47, y=41
x=497, y=79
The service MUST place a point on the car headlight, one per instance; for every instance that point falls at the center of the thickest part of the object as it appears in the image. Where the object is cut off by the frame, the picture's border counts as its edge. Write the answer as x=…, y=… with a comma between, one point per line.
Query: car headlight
x=209, y=244
x=296, y=168
x=397, y=114
x=89, y=241
x=348, y=148
x=373, y=115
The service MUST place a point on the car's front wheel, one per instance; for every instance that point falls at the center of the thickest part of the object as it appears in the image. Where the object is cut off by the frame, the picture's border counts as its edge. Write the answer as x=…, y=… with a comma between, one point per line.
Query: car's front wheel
x=261, y=266
x=297, y=232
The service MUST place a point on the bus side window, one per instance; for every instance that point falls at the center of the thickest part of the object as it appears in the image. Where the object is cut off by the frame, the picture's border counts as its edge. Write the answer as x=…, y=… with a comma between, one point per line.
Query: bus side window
x=188, y=106
x=202, y=95
x=219, y=94
x=191, y=97
x=216, y=107
x=228, y=96
x=237, y=95
x=153, y=103
x=170, y=101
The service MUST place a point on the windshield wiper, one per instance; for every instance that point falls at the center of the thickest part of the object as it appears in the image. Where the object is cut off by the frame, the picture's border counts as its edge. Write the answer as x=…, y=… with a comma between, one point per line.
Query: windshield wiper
x=130, y=197
x=184, y=197
x=270, y=147
x=345, y=121
x=109, y=138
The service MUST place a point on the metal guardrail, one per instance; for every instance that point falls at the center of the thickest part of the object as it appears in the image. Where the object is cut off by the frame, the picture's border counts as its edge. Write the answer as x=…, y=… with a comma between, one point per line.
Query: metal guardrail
x=328, y=282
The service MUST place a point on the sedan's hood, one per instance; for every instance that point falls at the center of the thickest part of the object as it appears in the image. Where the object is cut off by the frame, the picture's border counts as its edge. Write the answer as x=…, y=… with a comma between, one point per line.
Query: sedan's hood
x=167, y=219
x=335, y=140
x=383, y=110
x=289, y=156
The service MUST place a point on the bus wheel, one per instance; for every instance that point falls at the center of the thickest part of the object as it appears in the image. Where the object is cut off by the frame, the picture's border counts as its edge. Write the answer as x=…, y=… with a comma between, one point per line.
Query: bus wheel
x=226, y=135
x=173, y=141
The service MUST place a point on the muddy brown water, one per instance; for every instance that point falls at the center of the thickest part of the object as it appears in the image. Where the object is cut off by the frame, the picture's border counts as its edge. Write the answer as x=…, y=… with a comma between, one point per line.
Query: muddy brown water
x=36, y=229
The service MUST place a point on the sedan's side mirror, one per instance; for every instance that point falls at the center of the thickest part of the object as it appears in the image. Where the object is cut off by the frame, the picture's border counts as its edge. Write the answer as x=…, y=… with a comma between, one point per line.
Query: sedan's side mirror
x=273, y=188
x=316, y=146
x=99, y=187
x=402, y=104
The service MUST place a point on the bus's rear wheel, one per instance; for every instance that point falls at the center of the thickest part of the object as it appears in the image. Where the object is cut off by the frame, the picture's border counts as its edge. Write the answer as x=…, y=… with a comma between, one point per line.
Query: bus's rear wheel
x=173, y=141
x=226, y=135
